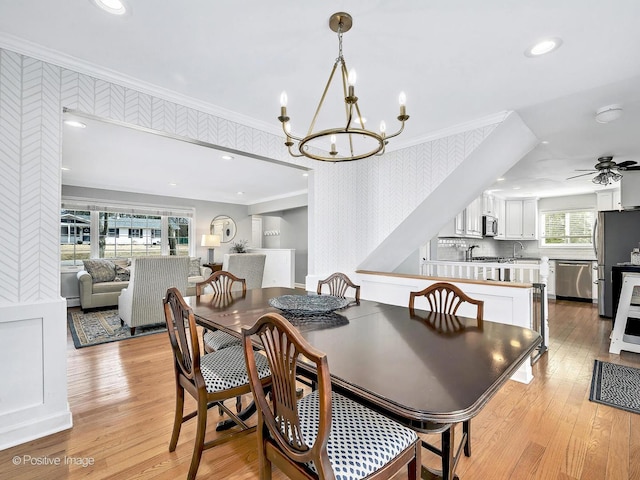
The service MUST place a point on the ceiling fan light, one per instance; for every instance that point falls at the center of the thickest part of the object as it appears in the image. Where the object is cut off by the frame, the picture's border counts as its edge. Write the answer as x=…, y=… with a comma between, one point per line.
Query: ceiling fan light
x=609, y=113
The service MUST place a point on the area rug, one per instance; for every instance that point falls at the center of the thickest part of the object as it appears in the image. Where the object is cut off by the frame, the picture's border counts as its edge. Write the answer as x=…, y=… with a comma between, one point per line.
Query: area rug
x=103, y=326
x=616, y=385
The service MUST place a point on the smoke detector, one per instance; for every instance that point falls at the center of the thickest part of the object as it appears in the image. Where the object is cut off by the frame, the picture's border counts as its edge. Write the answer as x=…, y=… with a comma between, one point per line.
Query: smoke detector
x=609, y=113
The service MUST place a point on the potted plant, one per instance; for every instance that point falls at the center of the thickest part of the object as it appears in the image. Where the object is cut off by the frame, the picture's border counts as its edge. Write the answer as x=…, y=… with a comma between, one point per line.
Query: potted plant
x=239, y=246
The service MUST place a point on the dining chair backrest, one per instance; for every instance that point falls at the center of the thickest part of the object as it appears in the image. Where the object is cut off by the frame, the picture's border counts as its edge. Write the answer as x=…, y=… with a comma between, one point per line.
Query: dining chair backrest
x=338, y=284
x=183, y=335
x=221, y=282
x=443, y=297
x=282, y=345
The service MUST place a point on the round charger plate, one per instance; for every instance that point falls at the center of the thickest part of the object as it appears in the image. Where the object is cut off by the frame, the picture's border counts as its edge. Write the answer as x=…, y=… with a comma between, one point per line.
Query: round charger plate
x=308, y=304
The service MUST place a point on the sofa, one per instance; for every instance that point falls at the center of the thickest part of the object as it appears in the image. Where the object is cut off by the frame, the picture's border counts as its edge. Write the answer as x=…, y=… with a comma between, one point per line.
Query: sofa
x=102, y=280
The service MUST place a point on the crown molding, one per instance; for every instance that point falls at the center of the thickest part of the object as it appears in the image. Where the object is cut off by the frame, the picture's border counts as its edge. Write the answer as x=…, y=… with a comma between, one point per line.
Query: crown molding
x=30, y=49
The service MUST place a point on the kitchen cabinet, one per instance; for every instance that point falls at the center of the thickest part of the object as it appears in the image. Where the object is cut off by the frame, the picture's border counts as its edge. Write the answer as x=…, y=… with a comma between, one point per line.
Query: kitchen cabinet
x=488, y=205
x=608, y=200
x=455, y=228
x=551, y=279
x=473, y=219
x=499, y=205
x=467, y=223
x=521, y=219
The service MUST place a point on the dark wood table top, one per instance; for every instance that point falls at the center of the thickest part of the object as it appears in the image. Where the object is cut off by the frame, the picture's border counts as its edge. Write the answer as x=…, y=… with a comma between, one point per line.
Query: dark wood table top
x=413, y=369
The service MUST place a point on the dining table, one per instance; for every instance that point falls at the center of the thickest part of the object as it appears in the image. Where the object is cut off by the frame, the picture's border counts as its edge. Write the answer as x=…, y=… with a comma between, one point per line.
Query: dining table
x=420, y=368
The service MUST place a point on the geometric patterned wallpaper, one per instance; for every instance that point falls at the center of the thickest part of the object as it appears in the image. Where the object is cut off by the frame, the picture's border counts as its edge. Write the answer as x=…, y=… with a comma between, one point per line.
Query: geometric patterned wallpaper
x=358, y=204
x=352, y=206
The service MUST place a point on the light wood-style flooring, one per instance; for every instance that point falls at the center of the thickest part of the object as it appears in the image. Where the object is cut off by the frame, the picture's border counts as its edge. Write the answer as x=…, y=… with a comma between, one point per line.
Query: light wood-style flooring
x=122, y=398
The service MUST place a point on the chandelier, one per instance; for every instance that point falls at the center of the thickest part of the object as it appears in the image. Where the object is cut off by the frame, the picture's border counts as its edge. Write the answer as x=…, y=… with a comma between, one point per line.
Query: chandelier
x=606, y=177
x=349, y=142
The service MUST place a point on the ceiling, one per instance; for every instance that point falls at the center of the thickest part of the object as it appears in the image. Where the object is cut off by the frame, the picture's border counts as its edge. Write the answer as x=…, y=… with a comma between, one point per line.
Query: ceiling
x=459, y=61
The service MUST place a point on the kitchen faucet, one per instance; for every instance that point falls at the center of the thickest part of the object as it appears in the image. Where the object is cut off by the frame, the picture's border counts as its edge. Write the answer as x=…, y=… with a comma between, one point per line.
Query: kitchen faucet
x=470, y=252
x=514, y=248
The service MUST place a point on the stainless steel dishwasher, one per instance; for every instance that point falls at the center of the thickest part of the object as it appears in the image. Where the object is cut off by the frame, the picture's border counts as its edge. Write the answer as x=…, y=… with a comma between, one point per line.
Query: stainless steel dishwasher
x=573, y=280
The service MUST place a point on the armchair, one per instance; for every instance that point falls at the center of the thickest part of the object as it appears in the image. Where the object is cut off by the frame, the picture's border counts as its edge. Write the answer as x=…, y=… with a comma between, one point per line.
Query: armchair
x=140, y=303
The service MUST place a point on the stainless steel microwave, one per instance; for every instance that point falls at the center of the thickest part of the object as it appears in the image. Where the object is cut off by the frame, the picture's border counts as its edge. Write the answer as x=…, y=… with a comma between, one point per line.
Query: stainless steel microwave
x=489, y=226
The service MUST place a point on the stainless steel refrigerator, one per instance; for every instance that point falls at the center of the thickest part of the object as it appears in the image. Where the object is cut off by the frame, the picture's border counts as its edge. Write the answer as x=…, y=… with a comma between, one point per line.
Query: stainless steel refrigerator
x=616, y=234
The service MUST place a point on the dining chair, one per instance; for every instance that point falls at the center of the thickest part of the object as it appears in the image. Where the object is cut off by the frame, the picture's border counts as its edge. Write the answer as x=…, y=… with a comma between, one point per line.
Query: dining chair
x=446, y=298
x=338, y=284
x=221, y=284
x=323, y=435
x=210, y=379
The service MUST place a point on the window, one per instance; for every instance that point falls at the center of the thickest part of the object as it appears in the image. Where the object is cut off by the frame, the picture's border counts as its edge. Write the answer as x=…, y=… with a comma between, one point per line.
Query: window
x=75, y=236
x=572, y=228
x=101, y=231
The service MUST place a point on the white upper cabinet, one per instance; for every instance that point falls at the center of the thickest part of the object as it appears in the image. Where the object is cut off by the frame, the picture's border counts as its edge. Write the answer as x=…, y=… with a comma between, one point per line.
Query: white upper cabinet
x=467, y=223
x=489, y=205
x=521, y=219
x=500, y=207
x=608, y=200
x=473, y=221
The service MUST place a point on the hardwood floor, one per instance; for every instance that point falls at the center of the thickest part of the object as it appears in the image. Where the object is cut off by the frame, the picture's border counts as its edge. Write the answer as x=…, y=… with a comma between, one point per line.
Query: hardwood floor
x=122, y=398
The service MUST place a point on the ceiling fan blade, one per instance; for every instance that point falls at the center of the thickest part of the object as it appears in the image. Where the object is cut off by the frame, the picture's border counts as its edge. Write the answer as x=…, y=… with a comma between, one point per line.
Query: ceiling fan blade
x=627, y=163
x=582, y=175
x=637, y=167
x=585, y=170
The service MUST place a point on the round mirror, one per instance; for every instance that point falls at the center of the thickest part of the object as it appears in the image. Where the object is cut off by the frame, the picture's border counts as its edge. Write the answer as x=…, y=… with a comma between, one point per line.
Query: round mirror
x=225, y=227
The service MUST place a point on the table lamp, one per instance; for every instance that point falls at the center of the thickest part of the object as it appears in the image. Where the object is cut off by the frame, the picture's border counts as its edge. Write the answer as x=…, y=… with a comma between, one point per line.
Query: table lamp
x=210, y=241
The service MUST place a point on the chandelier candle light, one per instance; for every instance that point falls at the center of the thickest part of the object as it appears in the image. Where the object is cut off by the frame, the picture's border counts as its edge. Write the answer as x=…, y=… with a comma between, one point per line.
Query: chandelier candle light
x=348, y=142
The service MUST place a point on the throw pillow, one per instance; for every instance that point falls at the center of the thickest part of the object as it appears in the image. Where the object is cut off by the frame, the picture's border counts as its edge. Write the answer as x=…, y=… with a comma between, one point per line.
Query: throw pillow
x=101, y=270
x=122, y=262
x=194, y=267
x=123, y=274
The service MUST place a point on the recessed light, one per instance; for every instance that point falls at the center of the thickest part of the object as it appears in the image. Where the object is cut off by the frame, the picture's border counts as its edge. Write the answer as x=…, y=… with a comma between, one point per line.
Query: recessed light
x=516, y=188
x=501, y=179
x=75, y=123
x=173, y=184
x=65, y=169
x=543, y=47
x=305, y=174
x=240, y=193
x=115, y=7
x=226, y=157
x=545, y=142
x=609, y=113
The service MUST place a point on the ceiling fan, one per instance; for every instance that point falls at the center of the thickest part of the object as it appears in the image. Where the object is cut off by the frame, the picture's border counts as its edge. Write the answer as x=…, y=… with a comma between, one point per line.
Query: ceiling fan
x=607, y=170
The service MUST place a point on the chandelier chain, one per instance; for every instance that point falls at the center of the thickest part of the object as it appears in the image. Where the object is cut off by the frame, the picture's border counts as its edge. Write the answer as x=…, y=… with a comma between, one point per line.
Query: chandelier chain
x=340, y=57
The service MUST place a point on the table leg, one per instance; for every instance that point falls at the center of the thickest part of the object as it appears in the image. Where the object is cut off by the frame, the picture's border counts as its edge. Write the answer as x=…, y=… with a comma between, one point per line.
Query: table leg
x=243, y=415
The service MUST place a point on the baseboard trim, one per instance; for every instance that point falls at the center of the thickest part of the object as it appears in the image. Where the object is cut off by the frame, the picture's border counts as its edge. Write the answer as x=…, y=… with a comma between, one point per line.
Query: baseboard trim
x=37, y=428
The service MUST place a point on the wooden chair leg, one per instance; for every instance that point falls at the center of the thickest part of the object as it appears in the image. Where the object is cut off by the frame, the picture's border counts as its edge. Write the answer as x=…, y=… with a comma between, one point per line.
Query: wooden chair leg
x=177, y=421
x=238, y=404
x=201, y=427
x=133, y=331
x=466, y=430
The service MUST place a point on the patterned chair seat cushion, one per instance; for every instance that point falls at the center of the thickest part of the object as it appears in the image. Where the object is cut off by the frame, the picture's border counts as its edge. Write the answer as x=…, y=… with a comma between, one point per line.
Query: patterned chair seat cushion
x=217, y=340
x=361, y=441
x=227, y=368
